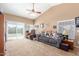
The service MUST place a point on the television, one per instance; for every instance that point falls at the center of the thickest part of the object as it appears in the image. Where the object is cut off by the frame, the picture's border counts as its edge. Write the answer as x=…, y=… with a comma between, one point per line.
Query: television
x=77, y=21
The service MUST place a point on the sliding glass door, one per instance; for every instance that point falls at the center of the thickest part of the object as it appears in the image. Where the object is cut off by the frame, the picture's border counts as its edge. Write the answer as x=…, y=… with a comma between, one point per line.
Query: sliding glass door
x=15, y=30
x=11, y=31
x=20, y=31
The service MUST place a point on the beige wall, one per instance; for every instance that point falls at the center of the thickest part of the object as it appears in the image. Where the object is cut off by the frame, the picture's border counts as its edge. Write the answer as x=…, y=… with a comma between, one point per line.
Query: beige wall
x=18, y=19
x=59, y=12
x=64, y=11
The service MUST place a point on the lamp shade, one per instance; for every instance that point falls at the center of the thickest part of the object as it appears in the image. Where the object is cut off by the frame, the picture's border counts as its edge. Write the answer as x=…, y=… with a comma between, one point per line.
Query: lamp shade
x=65, y=32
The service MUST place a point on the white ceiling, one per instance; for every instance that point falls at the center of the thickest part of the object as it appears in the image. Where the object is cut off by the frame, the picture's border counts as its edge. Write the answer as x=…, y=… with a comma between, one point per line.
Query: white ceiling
x=20, y=9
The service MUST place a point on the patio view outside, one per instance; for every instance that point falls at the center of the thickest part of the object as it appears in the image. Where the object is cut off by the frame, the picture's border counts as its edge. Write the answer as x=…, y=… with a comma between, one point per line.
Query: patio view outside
x=16, y=30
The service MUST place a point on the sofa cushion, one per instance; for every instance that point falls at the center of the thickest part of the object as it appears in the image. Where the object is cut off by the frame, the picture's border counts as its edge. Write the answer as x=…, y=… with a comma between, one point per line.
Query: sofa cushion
x=52, y=41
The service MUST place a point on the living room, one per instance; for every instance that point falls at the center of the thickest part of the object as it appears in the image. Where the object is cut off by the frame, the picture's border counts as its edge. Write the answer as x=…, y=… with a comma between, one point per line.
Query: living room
x=61, y=19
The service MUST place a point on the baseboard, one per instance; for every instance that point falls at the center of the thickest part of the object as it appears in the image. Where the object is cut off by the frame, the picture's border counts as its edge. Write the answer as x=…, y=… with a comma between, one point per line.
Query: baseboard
x=76, y=47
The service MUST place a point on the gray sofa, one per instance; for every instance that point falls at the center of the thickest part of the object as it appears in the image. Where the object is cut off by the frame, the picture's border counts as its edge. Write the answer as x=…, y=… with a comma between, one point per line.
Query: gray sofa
x=51, y=41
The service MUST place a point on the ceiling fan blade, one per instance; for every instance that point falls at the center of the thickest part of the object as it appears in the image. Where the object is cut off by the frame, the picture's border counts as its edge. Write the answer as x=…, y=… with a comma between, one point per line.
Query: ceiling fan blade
x=28, y=10
x=33, y=10
x=38, y=12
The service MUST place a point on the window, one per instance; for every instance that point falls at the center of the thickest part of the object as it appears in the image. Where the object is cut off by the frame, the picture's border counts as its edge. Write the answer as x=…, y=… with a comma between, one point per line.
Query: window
x=28, y=27
x=15, y=30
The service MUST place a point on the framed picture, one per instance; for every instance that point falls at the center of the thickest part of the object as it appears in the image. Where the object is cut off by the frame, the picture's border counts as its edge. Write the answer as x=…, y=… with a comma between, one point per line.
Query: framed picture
x=42, y=25
x=54, y=26
x=36, y=26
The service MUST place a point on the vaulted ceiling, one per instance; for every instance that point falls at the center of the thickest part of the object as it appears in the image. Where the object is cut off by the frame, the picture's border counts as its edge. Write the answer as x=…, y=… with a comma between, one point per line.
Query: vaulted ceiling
x=20, y=9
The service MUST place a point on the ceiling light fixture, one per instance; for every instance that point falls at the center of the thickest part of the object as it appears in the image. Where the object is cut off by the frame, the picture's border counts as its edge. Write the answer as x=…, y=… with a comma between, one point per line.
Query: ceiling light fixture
x=33, y=14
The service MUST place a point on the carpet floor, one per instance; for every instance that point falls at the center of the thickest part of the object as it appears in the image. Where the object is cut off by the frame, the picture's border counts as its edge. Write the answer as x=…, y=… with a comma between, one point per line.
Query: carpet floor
x=28, y=47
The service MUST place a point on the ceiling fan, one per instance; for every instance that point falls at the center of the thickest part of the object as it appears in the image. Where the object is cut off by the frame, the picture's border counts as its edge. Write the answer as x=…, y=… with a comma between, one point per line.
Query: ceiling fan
x=33, y=10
